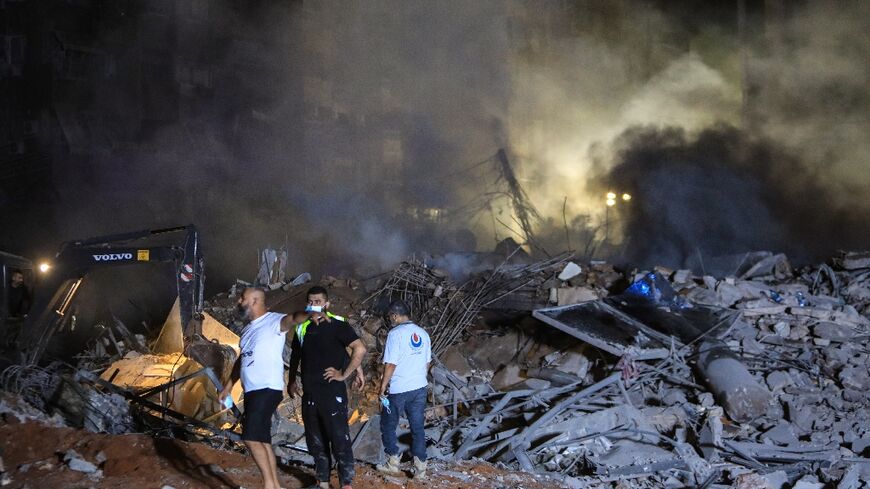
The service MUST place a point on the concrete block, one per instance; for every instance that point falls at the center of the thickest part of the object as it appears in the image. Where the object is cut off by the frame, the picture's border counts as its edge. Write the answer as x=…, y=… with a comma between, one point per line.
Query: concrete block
x=778, y=380
x=682, y=276
x=857, y=378
x=456, y=362
x=570, y=271
x=808, y=482
x=492, y=352
x=781, y=434
x=573, y=362
x=506, y=377
x=775, y=480
x=728, y=294
x=833, y=332
x=798, y=332
x=861, y=444
x=81, y=465
x=575, y=295
x=782, y=329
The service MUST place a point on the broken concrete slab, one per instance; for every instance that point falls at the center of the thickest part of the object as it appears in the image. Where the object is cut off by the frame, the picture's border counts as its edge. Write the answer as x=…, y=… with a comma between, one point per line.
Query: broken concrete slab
x=506, y=377
x=75, y=462
x=854, y=260
x=772, y=265
x=834, y=332
x=781, y=434
x=570, y=361
x=552, y=376
x=857, y=378
x=570, y=271
x=492, y=352
x=575, y=295
x=682, y=276
x=454, y=361
x=808, y=482
x=778, y=380
x=728, y=294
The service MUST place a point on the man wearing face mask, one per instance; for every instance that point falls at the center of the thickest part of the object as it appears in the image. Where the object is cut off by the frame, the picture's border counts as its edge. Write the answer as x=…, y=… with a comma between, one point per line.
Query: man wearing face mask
x=261, y=369
x=407, y=357
x=320, y=346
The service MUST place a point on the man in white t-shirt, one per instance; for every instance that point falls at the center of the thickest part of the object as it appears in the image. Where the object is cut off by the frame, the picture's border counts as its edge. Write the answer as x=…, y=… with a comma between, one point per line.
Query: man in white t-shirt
x=261, y=368
x=407, y=356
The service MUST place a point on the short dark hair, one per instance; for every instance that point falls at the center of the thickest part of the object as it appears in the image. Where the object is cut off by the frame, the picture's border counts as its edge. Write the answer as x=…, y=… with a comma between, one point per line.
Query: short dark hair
x=399, y=307
x=317, y=290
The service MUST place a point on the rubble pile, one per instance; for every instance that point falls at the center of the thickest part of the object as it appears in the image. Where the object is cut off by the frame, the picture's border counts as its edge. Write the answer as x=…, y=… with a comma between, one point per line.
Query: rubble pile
x=446, y=309
x=582, y=374
x=661, y=415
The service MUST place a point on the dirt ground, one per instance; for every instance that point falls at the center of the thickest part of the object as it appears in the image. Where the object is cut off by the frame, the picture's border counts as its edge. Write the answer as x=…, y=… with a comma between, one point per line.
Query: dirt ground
x=33, y=457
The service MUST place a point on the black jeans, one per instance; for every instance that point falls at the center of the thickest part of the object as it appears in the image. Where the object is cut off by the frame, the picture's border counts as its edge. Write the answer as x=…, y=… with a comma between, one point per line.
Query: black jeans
x=327, y=434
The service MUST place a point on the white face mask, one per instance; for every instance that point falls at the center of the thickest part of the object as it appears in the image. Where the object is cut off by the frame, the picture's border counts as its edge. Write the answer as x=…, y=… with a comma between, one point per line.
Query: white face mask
x=310, y=308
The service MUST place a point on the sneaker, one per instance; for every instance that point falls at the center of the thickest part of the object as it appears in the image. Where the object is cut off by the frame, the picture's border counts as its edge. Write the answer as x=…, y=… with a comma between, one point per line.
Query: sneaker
x=391, y=466
x=419, y=468
x=319, y=485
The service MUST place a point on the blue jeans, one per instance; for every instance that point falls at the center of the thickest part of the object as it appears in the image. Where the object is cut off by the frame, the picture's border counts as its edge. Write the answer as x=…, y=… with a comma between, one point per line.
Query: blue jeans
x=411, y=404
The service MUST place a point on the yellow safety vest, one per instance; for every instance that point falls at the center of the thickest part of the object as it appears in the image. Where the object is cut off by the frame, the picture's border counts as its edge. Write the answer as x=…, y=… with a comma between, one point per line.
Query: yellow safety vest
x=302, y=328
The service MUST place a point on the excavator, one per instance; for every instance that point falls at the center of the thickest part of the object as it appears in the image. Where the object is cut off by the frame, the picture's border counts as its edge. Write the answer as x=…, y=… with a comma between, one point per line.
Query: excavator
x=177, y=247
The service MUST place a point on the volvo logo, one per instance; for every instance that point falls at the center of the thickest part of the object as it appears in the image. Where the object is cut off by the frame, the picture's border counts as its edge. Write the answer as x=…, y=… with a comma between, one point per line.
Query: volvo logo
x=113, y=257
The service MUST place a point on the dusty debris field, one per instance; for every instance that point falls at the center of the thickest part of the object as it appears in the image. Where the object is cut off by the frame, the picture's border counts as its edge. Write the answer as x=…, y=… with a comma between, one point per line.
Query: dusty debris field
x=547, y=374
x=34, y=453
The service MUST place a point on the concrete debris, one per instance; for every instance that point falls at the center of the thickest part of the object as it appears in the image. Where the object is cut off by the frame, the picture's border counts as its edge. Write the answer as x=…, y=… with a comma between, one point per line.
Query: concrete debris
x=757, y=379
x=854, y=260
x=75, y=462
x=776, y=266
x=107, y=413
x=781, y=354
x=575, y=295
x=570, y=271
x=14, y=407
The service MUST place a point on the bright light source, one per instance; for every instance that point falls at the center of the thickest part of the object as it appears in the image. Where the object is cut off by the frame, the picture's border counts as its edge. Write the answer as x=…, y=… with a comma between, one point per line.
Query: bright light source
x=44, y=267
x=611, y=196
x=611, y=202
x=626, y=196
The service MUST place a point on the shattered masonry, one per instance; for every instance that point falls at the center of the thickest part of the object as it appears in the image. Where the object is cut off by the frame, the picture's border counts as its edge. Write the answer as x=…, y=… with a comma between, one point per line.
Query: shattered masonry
x=756, y=379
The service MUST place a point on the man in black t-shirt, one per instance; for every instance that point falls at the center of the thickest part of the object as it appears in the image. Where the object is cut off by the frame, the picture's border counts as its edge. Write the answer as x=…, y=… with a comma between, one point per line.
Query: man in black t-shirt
x=320, y=345
x=19, y=296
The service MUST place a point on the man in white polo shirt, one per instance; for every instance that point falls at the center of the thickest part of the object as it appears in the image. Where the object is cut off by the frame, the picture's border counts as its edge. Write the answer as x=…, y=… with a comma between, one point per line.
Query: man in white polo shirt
x=261, y=369
x=407, y=356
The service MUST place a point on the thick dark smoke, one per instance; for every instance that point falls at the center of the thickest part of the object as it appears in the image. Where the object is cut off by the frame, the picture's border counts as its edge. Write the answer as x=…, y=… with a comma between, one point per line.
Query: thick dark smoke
x=344, y=130
x=325, y=127
x=720, y=192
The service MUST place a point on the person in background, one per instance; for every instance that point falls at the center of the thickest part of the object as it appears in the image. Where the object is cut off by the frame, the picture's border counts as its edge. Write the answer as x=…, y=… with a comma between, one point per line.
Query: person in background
x=19, y=297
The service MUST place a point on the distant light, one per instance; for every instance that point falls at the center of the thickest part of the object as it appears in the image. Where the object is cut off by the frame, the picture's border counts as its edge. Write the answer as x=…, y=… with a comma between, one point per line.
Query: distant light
x=626, y=196
x=611, y=202
x=44, y=267
x=611, y=196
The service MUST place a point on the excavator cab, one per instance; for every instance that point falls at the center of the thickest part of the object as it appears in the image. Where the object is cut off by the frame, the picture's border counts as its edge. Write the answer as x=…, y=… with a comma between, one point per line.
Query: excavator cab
x=177, y=247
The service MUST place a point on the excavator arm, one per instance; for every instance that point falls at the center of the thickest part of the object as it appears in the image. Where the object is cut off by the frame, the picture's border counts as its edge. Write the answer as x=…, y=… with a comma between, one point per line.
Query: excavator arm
x=77, y=258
